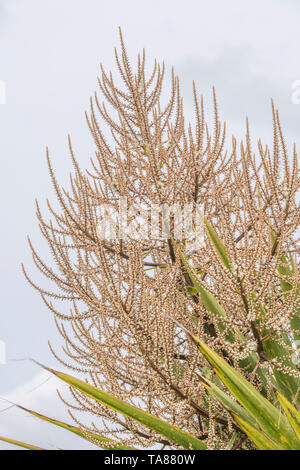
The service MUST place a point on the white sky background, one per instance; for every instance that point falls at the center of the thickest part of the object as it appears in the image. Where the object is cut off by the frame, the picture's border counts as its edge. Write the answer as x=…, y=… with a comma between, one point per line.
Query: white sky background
x=49, y=56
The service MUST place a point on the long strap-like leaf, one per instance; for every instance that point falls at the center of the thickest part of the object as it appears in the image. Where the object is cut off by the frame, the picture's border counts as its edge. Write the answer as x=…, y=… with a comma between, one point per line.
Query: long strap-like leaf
x=20, y=444
x=171, y=432
x=101, y=441
x=261, y=440
x=229, y=403
x=272, y=422
x=292, y=414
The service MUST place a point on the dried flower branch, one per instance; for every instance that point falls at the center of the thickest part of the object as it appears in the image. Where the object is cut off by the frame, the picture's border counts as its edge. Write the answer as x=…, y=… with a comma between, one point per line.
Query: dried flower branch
x=124, y=293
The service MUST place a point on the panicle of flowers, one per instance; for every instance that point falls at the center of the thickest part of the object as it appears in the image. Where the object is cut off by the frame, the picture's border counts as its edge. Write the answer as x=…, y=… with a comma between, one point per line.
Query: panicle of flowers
x=122, y=295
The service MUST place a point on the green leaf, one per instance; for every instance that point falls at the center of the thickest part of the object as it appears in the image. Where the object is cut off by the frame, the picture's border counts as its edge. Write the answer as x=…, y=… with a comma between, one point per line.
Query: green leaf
x=176, y=435
x=260, y=439
x=191, y=290
x=209, y=301
x=232, y=441
x=228, y=402
x=19, y=443
x=108, y=443
x=267, y=416
x=218, y=244
x=287, y=384
x=291, y=412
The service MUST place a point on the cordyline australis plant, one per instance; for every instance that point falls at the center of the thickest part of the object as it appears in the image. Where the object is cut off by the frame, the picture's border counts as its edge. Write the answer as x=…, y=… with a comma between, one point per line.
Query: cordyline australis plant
x=134, y=300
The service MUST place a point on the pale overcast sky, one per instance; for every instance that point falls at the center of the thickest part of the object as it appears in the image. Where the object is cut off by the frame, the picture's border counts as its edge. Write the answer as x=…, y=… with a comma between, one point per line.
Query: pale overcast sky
x=50, y=52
